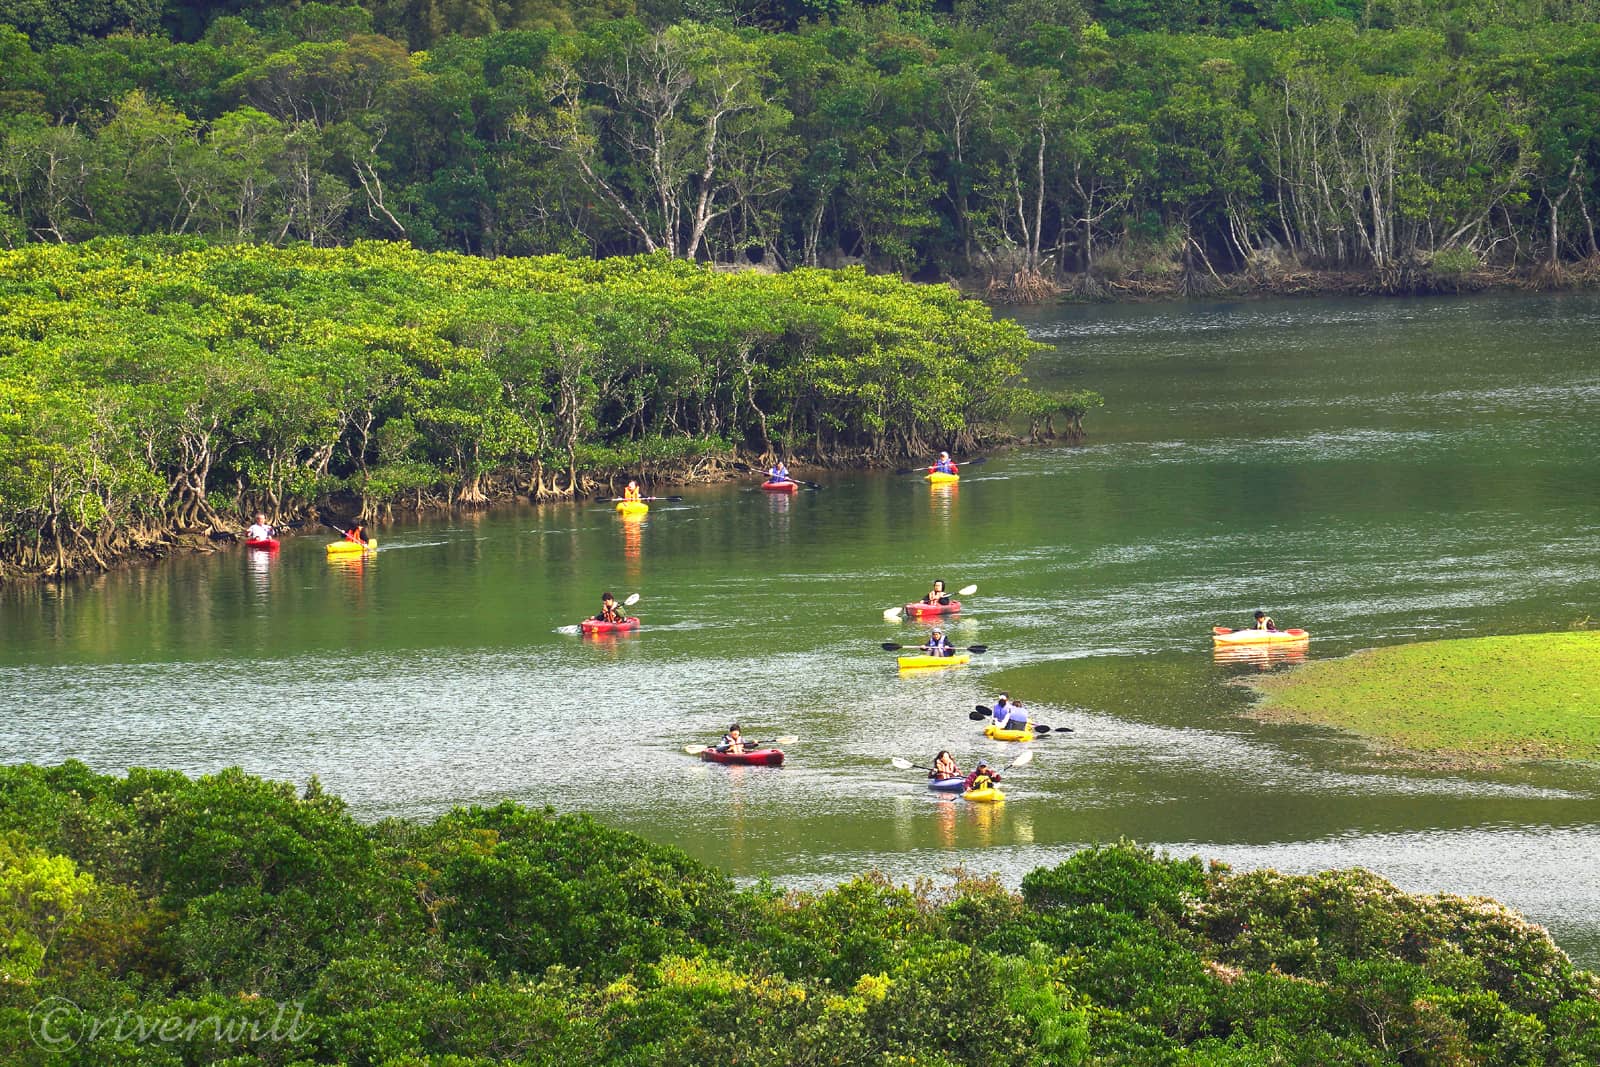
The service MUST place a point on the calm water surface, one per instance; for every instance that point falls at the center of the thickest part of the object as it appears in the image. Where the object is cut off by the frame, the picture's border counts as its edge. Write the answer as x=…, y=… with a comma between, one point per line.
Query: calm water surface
x=1377, y=472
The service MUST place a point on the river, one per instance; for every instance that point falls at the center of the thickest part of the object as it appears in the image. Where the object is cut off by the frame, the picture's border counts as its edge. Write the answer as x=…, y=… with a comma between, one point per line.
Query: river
x=1375, y=471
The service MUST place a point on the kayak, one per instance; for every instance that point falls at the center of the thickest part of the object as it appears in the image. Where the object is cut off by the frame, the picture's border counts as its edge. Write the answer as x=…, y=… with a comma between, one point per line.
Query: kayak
x=781, y=487
x=987, y=795
x=912, y=662
x=1260, y=637
x=596, y=626
x=632, y=507
x=918, y=608
x=352, y=548
x=947, y=785
x=996, y=733
x=753, y=757
x=270, y=544
x=940, y=478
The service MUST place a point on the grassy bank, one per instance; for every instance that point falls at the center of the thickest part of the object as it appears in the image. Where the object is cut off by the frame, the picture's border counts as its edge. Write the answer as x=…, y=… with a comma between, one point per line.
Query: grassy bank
x=1490, y=698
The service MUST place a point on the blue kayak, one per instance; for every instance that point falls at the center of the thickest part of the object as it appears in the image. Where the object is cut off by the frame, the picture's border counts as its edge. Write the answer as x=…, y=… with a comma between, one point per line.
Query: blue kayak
x=947, y=785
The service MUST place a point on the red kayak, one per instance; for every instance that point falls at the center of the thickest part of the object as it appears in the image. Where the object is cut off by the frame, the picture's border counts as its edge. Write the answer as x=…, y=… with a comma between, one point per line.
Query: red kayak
x=919, y=608
x=781, y=487
x=270, y=544
x=750, y=757
x=595, y=626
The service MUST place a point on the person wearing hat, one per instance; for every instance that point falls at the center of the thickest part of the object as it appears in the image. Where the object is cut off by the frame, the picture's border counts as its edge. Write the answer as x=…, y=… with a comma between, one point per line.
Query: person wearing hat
x=1263, y=621
x=731, y=741
x=938, y=645
x=982, y=777
x=945, y=465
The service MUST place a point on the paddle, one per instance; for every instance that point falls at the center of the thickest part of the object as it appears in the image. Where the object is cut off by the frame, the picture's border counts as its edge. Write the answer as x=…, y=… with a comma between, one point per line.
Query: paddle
x=1020, y=761
x=1227, y=630
x=695, y=750
x=984, y=712
x=618, y=499
x=925, y=470
x=907, y=765
x=895, y=613
x=890, y=646
x=767, y=474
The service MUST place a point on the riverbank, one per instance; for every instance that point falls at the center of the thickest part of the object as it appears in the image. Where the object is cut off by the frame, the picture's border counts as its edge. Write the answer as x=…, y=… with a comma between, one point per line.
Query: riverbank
x=1475, y=701
x=1170, y=282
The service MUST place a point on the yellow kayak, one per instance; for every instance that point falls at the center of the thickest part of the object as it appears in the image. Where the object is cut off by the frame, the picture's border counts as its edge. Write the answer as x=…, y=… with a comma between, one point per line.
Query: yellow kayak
x=908, y=663
x=987, y=795
x=632, y=507
x=993, y=731
x=1221, y=635
x=352, y=548
x=938, y=478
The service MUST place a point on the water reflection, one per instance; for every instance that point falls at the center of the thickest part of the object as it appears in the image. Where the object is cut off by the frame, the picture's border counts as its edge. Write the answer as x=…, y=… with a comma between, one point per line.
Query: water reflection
x=1261, y=657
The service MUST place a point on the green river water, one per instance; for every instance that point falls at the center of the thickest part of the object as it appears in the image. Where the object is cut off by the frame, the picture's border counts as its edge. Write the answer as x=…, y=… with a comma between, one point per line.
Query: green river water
x=1377, y=472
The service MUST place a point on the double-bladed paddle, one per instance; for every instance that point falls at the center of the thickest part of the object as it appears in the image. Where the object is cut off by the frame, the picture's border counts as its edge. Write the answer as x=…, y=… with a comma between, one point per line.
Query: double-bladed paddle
x=695, y=750
x=985, y=712
x=642, y=500
x=895, y=613
x=960, y=463
x=890, y=646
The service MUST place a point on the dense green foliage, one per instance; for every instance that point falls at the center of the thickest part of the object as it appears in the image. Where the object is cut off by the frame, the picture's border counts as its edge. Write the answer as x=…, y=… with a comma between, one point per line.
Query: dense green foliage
x=508, y=935
x=1014, y=140
x=162, y=385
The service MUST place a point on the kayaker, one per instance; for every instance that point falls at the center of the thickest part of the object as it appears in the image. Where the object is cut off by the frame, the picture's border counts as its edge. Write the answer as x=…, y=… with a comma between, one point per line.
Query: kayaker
x=938, y=645
x=1009, y=714
x=632, y=493
x=982, y=777
x=937, y=594
x=945, y=465
x=356, y=533
x=609, y=612
x=1263, y=621
x=260, y=531
x=732, y=741
x=778, y=473
x=944, y=767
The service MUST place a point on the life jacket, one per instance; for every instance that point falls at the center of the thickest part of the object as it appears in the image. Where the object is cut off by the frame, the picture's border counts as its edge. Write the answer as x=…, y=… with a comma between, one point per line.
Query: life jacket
x=355, y=535
x=940, y=647
x=631, y=493
x=945, y=466
x=610, y=613
x=778, y=474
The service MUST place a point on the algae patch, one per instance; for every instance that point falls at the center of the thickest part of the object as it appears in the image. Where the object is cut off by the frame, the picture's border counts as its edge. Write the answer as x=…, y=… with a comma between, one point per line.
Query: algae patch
x=1528, y=697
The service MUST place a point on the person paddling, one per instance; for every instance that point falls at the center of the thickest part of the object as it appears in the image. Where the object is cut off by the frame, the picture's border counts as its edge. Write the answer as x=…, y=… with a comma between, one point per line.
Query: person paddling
x=945, y=465
x=261, y=530
x=1263, y=621
x=937, y=595
x=778, y=473
x=944, y=767
x=938, y=645
x=982, y=777
x=632, y=493
x=732, y=741
x=356, y=533
x=609, y=611
x=1009, y=714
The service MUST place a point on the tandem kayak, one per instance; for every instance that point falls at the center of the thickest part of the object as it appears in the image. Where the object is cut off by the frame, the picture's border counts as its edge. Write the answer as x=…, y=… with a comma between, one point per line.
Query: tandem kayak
x=632, y=507
x=920, y=608
x=987, y=795
x=1259, y=637
x=352, y=548
x=947, y=785
x=597, y=626
x=996, y=733
x=940, y=478
x=755, y=757
x=781, y=487
x=269, y=543
x=908, y=663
